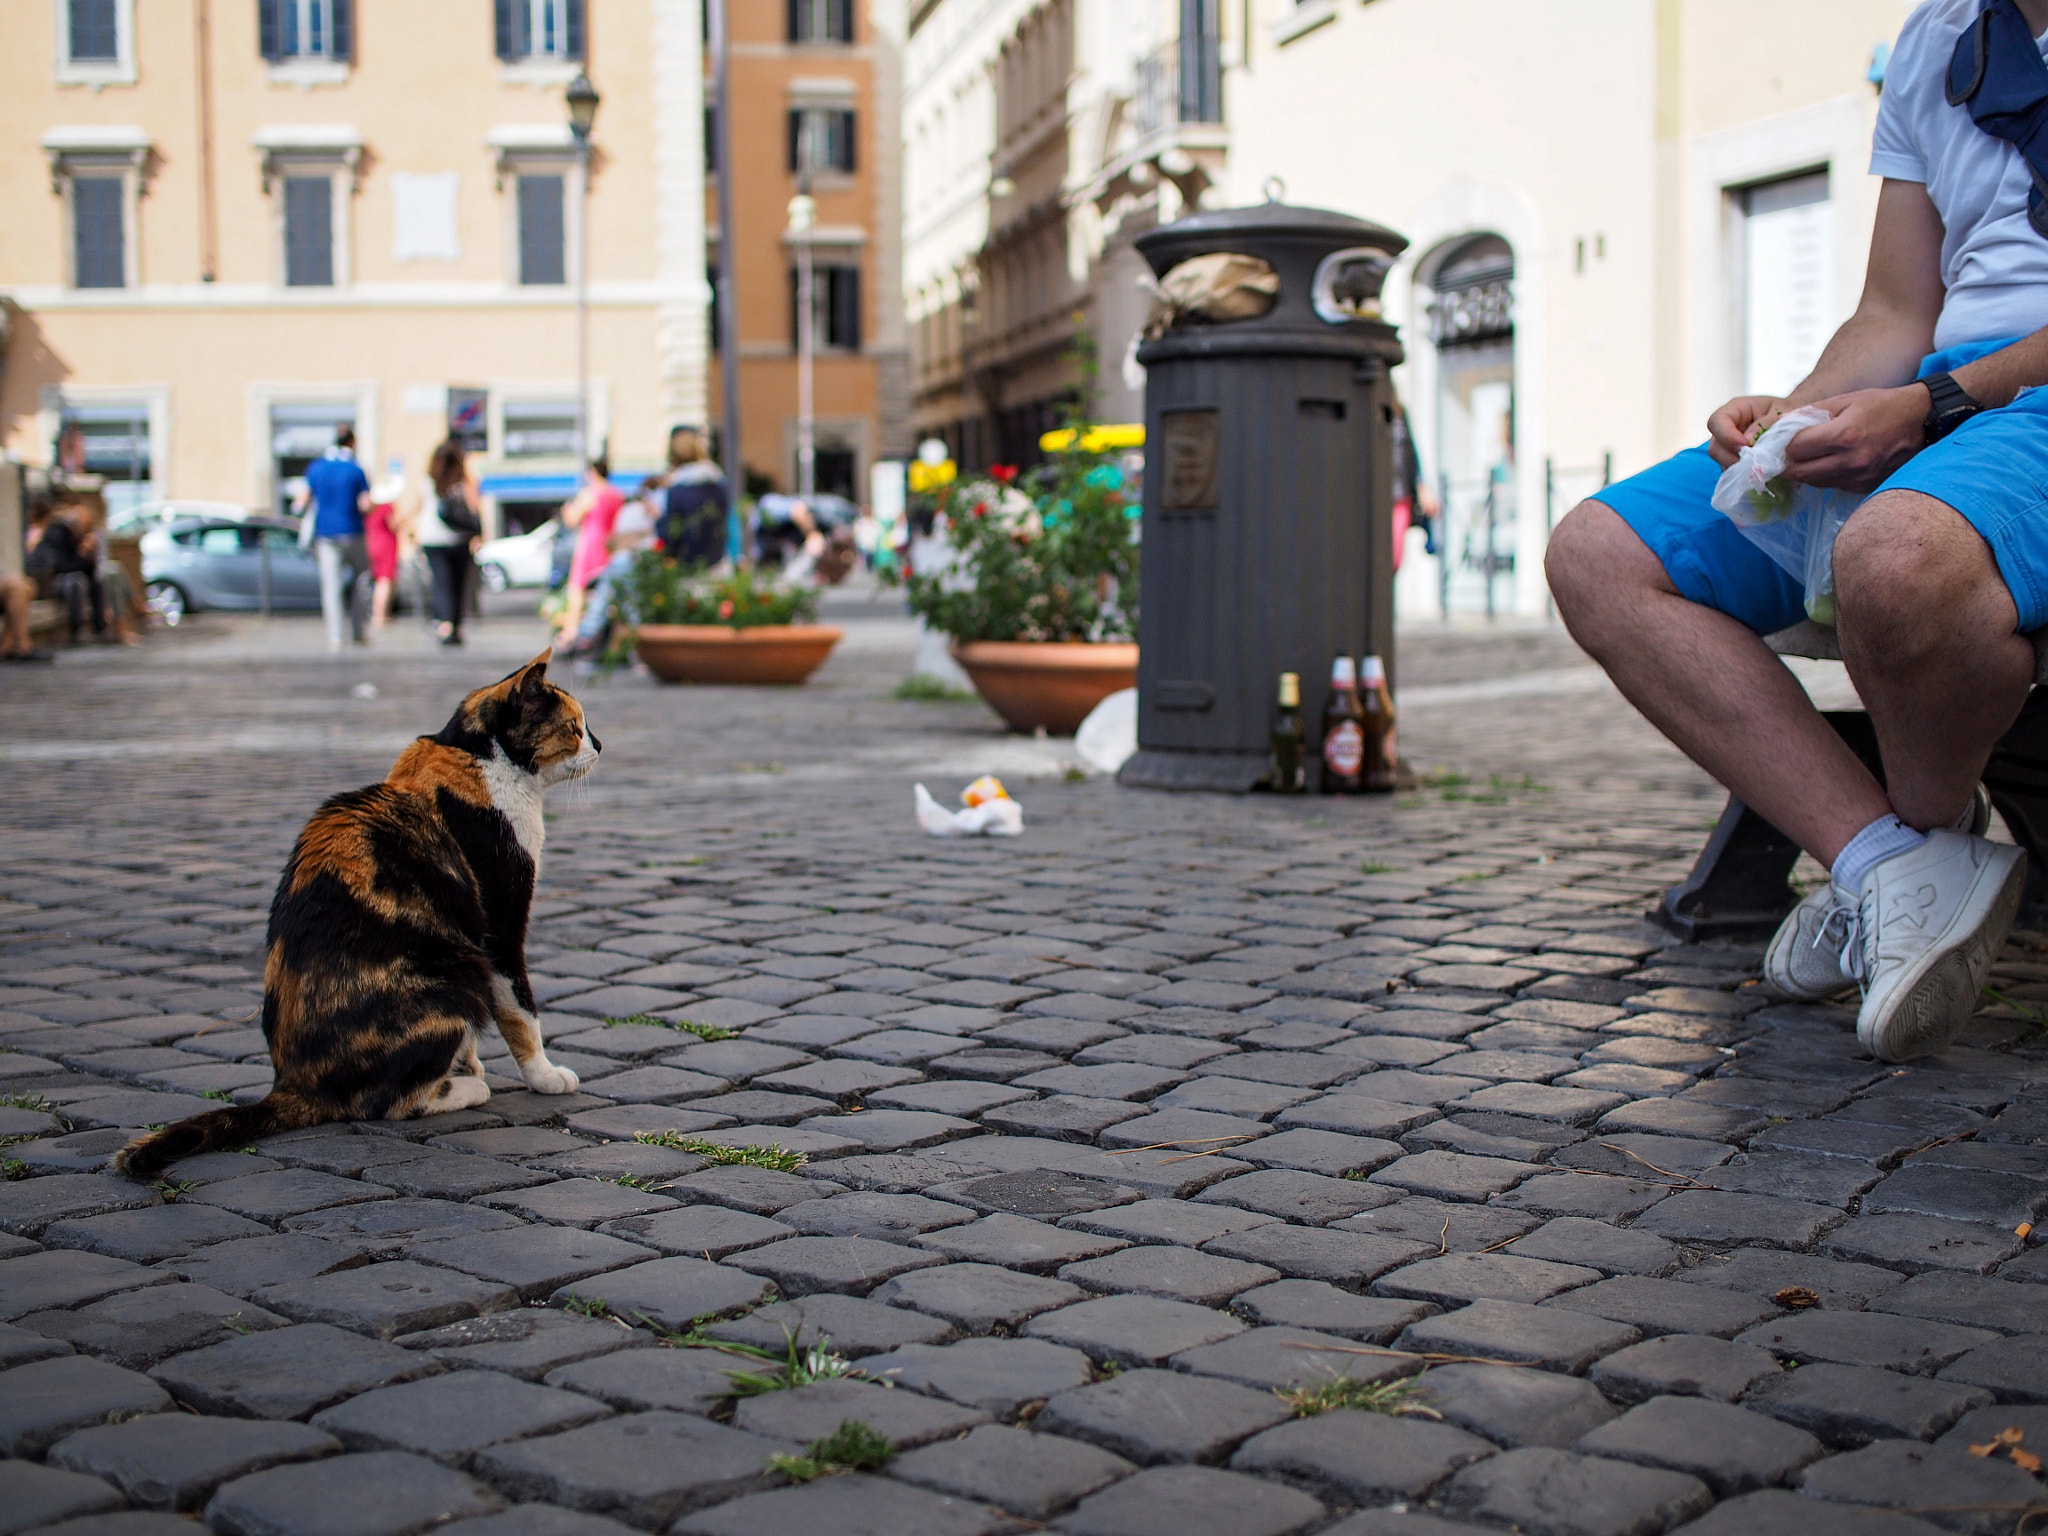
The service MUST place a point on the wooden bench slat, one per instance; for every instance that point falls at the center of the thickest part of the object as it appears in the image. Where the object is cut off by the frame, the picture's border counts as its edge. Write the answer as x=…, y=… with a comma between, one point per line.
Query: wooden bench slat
x=1820, y=642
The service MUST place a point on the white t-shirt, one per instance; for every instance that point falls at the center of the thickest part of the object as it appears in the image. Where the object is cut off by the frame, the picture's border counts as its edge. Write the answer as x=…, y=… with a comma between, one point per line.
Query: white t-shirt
x=1993, y=263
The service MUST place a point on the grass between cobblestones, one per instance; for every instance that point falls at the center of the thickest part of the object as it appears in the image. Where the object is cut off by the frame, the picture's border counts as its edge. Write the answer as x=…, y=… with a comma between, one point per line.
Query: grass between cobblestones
x=681, y=1026
x=1308, y=1399
x=778, y=1158
x=854, y=1446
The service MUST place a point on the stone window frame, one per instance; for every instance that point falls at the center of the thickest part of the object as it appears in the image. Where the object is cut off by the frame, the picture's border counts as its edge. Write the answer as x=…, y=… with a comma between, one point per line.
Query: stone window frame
x=332, y=150
x=96, y=73
x=539, y=149
x=105, y=151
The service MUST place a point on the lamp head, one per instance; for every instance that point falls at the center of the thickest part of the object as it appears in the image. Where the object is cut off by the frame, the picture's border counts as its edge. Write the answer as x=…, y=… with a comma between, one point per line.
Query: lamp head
x=582, y=99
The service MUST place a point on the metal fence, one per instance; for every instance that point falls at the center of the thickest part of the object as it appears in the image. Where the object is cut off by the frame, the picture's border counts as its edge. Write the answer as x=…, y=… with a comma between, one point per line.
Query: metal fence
x=1179, y=83
x=1478, y=532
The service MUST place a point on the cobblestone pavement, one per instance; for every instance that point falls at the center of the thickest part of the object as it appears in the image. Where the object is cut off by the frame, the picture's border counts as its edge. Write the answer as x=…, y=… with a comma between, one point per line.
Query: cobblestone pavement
x=1113, y=1133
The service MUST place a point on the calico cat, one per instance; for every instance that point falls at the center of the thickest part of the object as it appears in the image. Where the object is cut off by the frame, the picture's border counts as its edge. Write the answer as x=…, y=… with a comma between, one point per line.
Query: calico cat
x=398, y=931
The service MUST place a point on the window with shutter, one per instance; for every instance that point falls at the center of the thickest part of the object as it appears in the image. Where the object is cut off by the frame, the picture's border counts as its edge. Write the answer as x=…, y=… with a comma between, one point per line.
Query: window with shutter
x=305, y=29
x=821, y=21
x=842, y=317
x=99, y=254
x=93, y=33
x=309, y=232
x=538, y=29
x=835, y=306
x=542, y=248
x=820, y=139
x=508, y=19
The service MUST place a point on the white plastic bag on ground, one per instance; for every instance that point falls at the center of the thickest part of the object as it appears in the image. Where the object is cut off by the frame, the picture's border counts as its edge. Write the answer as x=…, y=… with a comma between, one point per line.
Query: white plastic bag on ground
x=1794, y=524
x=996, y=815
x=1110, y=733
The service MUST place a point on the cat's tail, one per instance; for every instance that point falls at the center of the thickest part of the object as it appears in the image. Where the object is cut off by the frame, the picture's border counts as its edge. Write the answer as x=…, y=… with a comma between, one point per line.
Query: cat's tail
x=218, y=1130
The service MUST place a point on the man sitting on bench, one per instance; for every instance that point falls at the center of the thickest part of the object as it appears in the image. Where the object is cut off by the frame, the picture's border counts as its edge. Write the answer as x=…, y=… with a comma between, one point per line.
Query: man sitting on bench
x=1939, y=577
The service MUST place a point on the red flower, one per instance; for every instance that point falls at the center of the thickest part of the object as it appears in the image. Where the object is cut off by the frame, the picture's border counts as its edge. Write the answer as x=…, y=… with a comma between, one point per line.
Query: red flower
x=981, y=509
x=725, y=609
x=1002, y=474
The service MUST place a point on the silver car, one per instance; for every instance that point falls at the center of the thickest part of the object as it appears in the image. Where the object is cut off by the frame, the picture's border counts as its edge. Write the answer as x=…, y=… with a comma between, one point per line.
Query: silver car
x=210, y=563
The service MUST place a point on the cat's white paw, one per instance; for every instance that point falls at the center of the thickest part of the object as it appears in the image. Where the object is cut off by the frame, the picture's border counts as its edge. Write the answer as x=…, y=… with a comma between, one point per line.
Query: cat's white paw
x=459, y=1093
x=543, y=1076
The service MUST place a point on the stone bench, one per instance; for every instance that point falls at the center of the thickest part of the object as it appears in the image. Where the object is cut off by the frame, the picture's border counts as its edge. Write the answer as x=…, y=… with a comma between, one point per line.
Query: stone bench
x=1740, y=884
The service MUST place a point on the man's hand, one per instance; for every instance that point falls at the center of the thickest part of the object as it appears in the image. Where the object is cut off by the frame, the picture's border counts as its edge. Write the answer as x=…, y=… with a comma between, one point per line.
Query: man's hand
x=1874, y=431
x=1737, y=424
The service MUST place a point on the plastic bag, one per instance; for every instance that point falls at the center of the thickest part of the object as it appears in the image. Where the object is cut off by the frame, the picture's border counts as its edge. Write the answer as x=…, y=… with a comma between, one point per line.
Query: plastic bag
x=1795, y=525
x=1211, y=290
x=1110, y=733
x=990, y=811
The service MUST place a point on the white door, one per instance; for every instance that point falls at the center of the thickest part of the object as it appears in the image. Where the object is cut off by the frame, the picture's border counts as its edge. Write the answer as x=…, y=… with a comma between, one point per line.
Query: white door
x=1788, y=259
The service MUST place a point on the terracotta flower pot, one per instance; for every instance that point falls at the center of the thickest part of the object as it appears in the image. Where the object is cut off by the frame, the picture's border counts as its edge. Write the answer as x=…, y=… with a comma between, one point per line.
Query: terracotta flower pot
x=718, y=653
x=1053, y=683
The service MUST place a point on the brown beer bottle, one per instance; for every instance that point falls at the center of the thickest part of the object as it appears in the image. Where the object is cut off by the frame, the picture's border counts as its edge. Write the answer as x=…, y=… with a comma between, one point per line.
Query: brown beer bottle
x=1343, y=732
x=1286, y=776
x=1377, y=701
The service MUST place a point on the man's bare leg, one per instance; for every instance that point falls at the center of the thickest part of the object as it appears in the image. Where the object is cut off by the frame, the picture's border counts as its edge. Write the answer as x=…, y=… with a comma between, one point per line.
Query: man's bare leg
x=1929, y=632
x=1710, y=684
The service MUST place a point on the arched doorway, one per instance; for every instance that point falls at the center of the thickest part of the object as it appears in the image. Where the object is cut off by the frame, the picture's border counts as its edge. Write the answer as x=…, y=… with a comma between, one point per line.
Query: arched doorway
x=1468, y=287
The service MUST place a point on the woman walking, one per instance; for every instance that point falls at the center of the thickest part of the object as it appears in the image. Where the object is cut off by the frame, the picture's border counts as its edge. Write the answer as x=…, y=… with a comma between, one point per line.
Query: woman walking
x=381, y=533
x=599, y=501
x=449, y=525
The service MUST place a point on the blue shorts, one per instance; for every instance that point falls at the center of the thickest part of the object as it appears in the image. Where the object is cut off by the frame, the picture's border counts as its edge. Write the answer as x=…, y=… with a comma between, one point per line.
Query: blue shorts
x=1993, y=470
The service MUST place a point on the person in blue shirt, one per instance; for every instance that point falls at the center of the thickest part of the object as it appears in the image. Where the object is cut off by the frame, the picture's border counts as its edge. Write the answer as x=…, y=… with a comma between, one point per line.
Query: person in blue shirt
x=339, y=494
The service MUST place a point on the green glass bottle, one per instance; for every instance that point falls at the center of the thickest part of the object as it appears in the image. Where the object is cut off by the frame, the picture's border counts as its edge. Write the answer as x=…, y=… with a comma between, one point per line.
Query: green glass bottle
x=1286, y=776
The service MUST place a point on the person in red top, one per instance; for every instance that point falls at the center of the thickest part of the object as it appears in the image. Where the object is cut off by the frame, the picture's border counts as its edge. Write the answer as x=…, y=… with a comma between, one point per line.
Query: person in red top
x=380, y=536
x=592, y=513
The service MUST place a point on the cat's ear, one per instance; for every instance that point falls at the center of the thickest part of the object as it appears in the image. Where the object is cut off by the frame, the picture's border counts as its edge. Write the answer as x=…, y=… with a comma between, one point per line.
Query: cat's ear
x=534, y=675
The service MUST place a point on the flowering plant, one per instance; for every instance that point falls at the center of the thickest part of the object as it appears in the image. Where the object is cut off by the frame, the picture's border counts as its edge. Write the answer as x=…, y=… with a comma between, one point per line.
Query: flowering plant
x=1048, y=553
x=658, y=591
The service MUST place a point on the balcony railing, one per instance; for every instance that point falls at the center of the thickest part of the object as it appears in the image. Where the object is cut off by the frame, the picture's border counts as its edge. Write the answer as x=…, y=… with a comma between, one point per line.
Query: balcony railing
x=1179, y=83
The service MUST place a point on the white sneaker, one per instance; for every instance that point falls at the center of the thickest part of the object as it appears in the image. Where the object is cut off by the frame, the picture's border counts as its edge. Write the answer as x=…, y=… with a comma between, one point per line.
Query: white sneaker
x=1805, y=959
x=1927, y=928
x=1805, y=956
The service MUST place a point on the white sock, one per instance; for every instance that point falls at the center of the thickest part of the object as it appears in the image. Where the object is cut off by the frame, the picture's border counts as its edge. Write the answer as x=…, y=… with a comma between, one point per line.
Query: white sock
x=1879, y=841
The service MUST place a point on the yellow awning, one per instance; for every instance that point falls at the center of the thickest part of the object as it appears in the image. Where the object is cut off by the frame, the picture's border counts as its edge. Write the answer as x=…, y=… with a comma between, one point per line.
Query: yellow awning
x=1096, y=439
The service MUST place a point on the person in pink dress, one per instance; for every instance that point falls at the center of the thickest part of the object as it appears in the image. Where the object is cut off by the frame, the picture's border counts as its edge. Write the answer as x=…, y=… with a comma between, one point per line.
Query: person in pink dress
x=600, y=501
x=380, y=537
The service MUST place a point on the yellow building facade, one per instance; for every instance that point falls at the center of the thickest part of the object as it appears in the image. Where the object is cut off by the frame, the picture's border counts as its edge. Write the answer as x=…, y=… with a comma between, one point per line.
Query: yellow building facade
x=235, y=225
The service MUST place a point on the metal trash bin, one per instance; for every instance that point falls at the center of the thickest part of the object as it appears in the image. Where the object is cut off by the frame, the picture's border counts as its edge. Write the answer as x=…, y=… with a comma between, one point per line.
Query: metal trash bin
x=1268, y=530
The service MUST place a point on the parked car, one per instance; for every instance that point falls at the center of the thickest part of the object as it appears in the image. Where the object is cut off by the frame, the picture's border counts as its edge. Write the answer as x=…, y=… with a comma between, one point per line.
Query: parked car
x=152, y=514
x=214, y=563
x=520, y=559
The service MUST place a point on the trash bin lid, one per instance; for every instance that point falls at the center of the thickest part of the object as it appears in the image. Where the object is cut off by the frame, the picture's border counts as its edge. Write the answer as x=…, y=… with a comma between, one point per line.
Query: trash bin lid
x=1271, y=230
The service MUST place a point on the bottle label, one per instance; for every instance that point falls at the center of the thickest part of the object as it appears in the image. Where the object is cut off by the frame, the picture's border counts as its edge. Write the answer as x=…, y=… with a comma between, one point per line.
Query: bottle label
x=1344, y=748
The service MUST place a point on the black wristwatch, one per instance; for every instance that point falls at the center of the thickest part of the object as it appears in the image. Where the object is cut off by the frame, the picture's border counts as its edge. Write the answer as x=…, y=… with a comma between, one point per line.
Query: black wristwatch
x=1951, y=408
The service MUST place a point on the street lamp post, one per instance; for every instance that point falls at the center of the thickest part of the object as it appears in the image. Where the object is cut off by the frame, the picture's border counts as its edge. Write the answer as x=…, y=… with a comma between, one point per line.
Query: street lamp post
x=728, y=260
x=582, y=101
x=803, y=213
